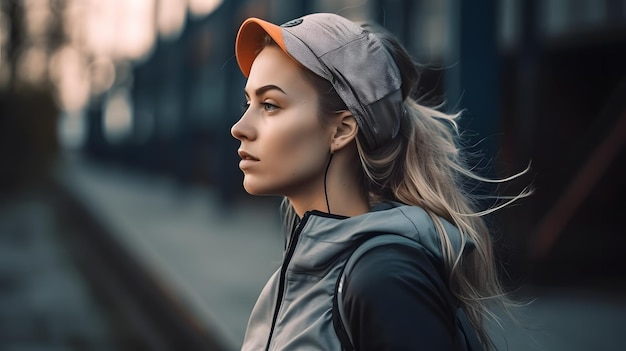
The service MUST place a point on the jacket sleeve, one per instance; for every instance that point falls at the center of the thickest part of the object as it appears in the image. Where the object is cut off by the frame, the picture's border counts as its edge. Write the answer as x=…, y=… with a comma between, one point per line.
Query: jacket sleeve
x=394, y=299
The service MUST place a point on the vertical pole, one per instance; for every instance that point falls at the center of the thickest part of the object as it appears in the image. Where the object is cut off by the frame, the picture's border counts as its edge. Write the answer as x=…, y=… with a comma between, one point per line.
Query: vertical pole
x=472, y=81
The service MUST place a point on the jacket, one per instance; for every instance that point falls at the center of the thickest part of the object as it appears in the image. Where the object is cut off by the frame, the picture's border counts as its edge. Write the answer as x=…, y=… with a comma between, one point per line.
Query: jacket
x=294, y=310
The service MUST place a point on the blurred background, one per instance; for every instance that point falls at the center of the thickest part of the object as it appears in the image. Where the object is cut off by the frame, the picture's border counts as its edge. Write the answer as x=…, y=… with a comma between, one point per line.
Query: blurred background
x=123, y=224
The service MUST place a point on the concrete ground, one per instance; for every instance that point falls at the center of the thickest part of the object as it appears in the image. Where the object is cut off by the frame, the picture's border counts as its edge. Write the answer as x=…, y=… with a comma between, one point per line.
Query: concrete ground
x=217, y=260
x=45, y=303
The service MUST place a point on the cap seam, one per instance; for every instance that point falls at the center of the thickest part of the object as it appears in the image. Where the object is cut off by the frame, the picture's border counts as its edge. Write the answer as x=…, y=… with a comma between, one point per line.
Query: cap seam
x=324, y=66
x=363, y=35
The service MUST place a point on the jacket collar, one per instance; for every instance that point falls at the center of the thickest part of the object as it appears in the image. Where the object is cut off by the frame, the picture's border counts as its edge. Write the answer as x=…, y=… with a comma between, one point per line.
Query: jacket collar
x=323, y=237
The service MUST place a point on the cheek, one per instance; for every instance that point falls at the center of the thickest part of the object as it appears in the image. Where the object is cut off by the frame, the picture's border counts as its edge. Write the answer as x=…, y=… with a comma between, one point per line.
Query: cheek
x=301, y=135
x=304, y=146
x=292, y=160
x=302, y=141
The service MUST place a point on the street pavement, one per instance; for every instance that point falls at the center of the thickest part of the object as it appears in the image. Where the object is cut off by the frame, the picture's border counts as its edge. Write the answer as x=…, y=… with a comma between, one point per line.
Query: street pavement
x=218, y=258
x=45, y=304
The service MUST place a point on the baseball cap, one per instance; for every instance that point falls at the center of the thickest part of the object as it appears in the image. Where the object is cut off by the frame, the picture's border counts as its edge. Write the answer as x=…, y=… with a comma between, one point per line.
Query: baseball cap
x=354, y=60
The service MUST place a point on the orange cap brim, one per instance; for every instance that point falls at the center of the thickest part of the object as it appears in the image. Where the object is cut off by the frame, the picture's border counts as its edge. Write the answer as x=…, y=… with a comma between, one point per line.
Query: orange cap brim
x=249, y=39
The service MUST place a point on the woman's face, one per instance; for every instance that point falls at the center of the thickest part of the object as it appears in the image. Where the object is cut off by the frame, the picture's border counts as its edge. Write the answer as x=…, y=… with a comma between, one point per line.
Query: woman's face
x=284, y=146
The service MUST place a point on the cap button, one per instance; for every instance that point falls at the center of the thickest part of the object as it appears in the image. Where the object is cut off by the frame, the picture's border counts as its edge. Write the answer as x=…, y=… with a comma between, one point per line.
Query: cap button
x=292, y=23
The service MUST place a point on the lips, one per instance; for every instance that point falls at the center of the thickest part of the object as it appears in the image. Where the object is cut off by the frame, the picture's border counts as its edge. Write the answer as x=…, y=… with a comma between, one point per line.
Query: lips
x=246, y=156
x=247, y=160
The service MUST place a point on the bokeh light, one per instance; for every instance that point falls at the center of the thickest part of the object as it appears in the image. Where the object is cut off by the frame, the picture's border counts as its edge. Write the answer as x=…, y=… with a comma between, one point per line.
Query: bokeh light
x=200, y=8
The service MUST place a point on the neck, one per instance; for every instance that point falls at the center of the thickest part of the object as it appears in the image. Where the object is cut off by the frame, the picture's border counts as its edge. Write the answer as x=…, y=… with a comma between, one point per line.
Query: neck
x=343, y=192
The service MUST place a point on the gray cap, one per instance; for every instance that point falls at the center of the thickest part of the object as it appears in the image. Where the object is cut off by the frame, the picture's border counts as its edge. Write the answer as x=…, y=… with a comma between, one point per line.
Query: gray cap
x=354, y=60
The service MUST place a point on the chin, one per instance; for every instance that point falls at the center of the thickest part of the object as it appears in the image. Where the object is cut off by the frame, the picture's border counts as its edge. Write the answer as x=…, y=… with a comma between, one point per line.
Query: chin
x=263, y=188
x=255, y=189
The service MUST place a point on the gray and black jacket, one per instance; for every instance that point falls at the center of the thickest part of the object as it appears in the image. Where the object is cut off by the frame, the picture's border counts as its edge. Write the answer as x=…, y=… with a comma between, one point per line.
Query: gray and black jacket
x=396, y=297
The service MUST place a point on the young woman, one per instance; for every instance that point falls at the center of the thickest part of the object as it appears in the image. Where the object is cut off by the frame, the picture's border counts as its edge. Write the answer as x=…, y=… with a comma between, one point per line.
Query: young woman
x=331, y=124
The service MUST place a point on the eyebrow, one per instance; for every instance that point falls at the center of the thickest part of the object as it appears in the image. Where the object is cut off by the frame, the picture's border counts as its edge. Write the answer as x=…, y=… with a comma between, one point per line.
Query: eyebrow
x=266, y=88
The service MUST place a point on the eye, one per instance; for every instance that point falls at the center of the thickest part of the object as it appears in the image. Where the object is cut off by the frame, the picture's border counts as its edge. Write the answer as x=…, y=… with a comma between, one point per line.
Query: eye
x=269, y=107
x=244, y=106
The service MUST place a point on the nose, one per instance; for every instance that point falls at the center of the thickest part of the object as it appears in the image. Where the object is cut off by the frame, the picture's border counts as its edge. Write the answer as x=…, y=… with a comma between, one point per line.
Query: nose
x=243, y=129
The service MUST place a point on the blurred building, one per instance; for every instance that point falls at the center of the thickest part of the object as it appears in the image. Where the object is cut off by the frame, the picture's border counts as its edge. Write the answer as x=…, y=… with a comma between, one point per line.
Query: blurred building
x=542, y=82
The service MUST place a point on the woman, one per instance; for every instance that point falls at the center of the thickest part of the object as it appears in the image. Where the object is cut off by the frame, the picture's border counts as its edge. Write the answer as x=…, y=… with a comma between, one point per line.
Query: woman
x=330, y=123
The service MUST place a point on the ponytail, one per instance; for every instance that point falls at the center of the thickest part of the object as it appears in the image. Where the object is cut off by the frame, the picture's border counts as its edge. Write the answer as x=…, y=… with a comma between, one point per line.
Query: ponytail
x=424, y=166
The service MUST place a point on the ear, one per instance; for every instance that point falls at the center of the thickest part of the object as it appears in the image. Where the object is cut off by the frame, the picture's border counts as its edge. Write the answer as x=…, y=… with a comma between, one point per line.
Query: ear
x=345, y=130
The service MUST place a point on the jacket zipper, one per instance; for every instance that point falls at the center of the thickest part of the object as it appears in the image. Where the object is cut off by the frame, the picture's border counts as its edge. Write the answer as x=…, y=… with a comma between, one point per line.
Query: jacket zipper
x=283, y=272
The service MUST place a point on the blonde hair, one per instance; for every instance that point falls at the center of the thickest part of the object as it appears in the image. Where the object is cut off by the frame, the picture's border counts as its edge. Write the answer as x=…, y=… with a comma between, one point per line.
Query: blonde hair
x=424, y=166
